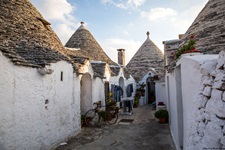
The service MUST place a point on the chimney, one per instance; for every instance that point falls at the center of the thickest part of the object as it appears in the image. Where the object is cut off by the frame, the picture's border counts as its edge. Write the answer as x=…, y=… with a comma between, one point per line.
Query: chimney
x=121, y=57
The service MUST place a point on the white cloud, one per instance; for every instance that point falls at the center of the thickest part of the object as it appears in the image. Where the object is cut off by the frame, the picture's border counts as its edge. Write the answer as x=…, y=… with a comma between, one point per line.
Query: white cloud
x=135, y=3
x=158, y=14
x=185, y=18
x=178, y=20
x=55, y=9
x=59, y=11
x=111, y=45
x=124, y=4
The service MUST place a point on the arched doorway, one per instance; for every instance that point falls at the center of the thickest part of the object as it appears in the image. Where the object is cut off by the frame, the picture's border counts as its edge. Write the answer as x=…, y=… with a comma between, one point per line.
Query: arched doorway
x=151, y=90
x=85, y=93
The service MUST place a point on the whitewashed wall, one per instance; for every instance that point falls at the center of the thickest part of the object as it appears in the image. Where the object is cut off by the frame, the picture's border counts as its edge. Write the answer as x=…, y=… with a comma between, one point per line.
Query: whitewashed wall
x=209, y=107
x=144, y=100
x=131, y=80
x=115, y=80
x=98, y=90
x=37, y=111
x=172, y=106
x=160, y=93
x=88, y=89
x=183, y=86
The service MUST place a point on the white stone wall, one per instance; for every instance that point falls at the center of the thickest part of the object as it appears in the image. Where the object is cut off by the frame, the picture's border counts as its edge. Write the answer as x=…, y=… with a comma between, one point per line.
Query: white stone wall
x=115, y=80
x=98, y=91
x=37, y=111
x=172, y=107
x=190, y=83
x=160, y=93
x=144, y=100
x=195, y=97
x=209, y=131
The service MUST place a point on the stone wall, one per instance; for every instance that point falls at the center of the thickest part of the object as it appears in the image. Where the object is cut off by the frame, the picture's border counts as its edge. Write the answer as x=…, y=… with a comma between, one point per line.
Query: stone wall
x=210, y=107
x=170, y=47
x=37, y=111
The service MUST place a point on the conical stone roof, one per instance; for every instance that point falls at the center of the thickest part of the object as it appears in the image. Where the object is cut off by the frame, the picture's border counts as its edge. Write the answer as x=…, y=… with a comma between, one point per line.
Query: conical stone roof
x=209, y=28
x=26, y=37
x=148, y=57
x=87, y=46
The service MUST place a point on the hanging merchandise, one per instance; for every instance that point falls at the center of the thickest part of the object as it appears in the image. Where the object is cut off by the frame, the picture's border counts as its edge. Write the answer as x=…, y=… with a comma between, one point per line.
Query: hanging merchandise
x=117, y=92
x=129, y=90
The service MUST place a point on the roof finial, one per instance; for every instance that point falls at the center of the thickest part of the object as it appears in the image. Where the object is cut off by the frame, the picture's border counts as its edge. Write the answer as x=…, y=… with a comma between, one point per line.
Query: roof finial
x=148, y=33
x=81, y=22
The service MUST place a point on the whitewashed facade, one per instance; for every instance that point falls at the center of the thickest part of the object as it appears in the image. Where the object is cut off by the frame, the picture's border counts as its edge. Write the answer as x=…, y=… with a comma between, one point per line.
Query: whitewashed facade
x=44, y=110
x=37, y=111
x=122, y=81
x=193, y=101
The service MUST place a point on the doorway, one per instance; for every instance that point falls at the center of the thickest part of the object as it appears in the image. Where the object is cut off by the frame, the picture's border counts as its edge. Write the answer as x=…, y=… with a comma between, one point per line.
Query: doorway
x=121, y=84
x=150, y=90
x=86, y=93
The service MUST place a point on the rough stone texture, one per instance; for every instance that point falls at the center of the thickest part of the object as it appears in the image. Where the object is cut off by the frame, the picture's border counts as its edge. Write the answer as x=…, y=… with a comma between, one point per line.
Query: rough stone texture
x=207, y=91
x=170, y=47
x=210, y=119
x=223, y=98
x=148, y=56
x=208, y=81
x=126, y=73
x=26, y=37
x=207, y=68
x=115, y=70
x=208, y=28
x=99, y=69
x=121, y=57
x=88, y=47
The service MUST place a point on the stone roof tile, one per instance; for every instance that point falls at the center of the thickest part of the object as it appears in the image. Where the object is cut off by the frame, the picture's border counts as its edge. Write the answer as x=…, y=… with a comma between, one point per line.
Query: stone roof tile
x=209, y=28
x=99, y=69
x=82, y=39
x=27, y=38
x=114, y=70
x=147, y=57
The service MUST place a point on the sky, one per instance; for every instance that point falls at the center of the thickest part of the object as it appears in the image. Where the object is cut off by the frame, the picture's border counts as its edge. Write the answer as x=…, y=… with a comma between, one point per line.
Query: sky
x=123, y=24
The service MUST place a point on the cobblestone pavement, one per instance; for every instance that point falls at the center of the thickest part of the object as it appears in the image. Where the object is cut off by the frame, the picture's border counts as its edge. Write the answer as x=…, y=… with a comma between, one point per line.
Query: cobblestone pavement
x=144, y=133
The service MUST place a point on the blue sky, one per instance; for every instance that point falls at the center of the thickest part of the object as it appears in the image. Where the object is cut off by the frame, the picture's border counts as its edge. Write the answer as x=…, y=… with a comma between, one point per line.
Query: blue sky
x=121, y=23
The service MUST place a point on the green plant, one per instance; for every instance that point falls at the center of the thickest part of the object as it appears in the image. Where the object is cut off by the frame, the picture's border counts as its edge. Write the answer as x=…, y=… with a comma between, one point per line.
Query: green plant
x=189, y=46
x=136, y=102
x=161, y=114
x=103, y=114
x=110, y=102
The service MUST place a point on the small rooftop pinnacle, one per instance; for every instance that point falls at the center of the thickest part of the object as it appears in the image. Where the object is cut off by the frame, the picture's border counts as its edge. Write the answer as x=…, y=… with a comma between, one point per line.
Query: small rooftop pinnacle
x=81, y=22
x=148, y=33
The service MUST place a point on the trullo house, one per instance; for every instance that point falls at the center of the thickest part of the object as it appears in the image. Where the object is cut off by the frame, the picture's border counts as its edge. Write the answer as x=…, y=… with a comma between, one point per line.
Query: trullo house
x=195, y=82
x=146, y=64
x=45, y=87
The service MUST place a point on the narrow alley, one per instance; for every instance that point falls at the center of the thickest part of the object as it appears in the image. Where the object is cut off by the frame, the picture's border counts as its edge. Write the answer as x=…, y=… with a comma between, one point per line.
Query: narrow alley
x=144, y=133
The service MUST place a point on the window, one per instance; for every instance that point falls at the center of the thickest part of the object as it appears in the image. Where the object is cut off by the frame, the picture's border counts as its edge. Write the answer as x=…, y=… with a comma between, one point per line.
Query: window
x=61, y=77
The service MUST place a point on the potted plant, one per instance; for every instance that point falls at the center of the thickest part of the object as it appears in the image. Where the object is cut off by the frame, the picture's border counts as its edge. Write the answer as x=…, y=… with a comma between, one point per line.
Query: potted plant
x=162, y=115
x=187, y=48
x=104, y=115
x=136, y=102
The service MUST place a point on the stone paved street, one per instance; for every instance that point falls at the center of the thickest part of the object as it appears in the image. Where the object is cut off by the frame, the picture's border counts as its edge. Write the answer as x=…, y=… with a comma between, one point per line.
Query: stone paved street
x=144, y=133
